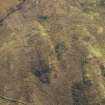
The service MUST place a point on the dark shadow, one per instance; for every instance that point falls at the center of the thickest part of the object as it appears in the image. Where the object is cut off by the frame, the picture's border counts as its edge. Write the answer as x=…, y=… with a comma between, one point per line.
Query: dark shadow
x=42, y=74
x=102, y=70
x=78, y=94
x=60, y=49
x=43, y=18
x=102, y=3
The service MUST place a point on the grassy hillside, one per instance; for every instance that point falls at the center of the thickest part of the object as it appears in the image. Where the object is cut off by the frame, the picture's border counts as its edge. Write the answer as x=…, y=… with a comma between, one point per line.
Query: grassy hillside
x=52, y=52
